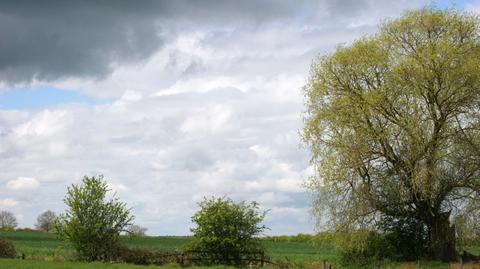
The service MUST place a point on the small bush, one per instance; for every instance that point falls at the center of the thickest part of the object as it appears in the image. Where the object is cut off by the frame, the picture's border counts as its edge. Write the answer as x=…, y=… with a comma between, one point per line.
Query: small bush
x=93, y=220
x=397, y=240
x=225, y=232
x=7, y=250
x=363, y=247
x=407, y=238
x=144, y=256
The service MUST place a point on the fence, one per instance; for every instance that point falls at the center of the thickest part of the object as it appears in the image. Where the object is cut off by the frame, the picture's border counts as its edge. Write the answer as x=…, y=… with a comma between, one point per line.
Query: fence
x=188, y=257
x=145, y=257
x=252, y=258
x=326, y=265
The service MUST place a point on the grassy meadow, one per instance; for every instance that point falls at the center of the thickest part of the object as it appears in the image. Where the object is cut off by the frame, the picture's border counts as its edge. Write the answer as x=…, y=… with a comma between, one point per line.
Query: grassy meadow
x=45, y=250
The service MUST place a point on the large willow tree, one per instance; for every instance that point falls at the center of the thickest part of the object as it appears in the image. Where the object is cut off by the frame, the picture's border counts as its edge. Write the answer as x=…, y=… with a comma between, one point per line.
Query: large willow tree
x=393, y=124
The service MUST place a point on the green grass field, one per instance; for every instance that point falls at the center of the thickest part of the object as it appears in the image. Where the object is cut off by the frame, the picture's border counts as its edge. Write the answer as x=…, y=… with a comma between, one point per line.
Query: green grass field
x=37, y=244
x=32, y=264
x=40, y=246
x=44, y=250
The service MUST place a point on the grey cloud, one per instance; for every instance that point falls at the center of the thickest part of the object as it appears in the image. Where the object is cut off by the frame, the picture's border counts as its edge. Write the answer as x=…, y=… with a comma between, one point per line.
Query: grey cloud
x=51, y=40
x=48, y=40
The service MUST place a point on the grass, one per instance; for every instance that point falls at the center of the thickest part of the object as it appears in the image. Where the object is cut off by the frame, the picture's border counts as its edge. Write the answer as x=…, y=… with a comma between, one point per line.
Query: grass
x=45, y=250
x=37, y=244
x=32, y=264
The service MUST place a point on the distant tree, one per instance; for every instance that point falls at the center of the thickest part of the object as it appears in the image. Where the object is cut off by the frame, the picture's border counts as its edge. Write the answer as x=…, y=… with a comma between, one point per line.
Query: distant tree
x=225, y=231
x=92, y=223
x=393, y=124
x=135, y=230
x=46, y=221
x=7, y=220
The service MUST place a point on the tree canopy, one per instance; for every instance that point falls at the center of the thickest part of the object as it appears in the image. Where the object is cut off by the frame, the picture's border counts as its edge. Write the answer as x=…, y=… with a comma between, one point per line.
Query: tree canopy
x=225, y=231
x=393, y=124
x=93, y=222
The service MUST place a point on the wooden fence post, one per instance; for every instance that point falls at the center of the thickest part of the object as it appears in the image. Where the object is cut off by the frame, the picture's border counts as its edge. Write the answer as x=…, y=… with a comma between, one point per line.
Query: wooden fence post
x=324, y=264
x=182, y=262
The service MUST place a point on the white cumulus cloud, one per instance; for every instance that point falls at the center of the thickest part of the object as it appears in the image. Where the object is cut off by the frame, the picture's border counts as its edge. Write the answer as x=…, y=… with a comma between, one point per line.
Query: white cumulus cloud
x=23, y=183
x=8, y=202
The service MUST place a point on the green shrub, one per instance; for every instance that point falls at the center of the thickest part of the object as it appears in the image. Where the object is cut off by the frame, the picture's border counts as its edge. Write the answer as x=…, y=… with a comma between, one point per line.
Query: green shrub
x=397, y=240
x=144, y=256
x=224, y=232
x=362, y=247
x=92, y=224
x=7, y=249
x=406, y=238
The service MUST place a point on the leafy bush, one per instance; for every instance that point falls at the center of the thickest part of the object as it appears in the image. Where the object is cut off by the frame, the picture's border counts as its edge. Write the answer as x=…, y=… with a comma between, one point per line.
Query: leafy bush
x=144, y=256
x=7, y=250
x=92, y=224
x=225, y=232
x=406, y=238
x=362, y=247
x=397, y=239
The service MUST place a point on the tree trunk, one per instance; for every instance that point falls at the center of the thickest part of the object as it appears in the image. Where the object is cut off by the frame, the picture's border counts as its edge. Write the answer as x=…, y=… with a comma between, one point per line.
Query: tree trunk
x=441, y=238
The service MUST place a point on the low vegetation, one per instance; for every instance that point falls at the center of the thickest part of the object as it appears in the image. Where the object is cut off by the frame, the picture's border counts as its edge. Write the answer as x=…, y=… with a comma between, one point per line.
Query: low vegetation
x=301, y=251
x=225, y=232
x=7, y=249
x=92, y=224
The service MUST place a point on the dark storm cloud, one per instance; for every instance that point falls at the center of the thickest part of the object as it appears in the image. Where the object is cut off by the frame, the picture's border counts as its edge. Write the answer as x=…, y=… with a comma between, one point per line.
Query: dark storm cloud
x=48, y=40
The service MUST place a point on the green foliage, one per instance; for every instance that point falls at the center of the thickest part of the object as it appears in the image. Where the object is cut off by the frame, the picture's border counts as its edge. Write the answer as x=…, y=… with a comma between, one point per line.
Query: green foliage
x=224, y=232
x=92, y=224
x=396, y=240
x=360, y=247
x=39, y=264
x=46, y=246
x=393, y=125
x=144, y=256
x=7, y=249
x=407, y=239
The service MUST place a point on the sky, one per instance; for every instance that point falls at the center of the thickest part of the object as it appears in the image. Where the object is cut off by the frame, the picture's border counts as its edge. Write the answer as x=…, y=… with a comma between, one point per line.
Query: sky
x=171, y=101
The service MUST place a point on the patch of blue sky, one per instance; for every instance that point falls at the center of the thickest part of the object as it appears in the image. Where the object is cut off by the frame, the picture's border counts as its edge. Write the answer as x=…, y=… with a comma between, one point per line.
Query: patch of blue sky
x=457, y=4
x=43, y=97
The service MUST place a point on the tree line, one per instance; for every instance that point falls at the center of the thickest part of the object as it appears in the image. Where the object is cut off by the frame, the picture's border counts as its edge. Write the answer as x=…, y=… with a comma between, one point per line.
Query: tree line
x=45, y=221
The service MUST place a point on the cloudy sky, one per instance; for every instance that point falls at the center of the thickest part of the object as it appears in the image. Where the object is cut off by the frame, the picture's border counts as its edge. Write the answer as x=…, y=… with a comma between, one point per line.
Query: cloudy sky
x=170, y=100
